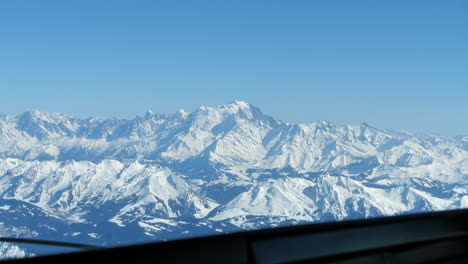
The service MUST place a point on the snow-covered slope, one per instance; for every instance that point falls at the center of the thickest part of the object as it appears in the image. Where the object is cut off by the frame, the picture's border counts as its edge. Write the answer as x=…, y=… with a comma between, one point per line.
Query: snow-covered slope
x=216, y=169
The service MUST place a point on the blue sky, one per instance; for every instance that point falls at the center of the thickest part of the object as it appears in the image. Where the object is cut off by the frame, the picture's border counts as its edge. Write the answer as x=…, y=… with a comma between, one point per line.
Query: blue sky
x=394, y=64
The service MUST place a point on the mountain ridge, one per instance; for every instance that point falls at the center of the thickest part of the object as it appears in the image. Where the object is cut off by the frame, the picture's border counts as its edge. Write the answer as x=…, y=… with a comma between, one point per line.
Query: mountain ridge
x=215, y=169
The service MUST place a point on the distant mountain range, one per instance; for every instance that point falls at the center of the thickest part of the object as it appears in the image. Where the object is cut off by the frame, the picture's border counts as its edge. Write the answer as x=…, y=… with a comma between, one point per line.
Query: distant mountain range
x=216, y=169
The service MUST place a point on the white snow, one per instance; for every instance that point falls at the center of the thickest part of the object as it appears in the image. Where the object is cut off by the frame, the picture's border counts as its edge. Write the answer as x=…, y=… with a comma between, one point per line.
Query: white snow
x=160, y=168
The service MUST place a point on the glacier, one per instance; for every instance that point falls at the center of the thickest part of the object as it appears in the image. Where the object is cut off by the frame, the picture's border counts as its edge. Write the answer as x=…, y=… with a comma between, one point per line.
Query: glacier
x=217, y=169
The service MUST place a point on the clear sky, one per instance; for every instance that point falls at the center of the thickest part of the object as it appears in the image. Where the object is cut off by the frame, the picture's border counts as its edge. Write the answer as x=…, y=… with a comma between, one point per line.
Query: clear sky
x=394, y=64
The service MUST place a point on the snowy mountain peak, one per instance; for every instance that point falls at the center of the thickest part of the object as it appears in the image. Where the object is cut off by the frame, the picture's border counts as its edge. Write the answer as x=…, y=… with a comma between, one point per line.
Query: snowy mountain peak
x=240, y=104
x=149, y=114
x=35, y=115
x=181, y=113
x=236, y=107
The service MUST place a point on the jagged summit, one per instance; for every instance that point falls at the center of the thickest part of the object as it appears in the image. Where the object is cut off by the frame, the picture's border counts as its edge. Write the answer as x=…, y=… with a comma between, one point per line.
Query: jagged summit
x=149, y=114
x=241, y=106
x=36, y=115
x=240, y=103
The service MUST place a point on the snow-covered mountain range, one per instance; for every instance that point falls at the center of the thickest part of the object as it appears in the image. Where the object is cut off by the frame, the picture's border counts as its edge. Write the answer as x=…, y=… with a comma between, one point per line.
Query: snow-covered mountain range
x=216, y=169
